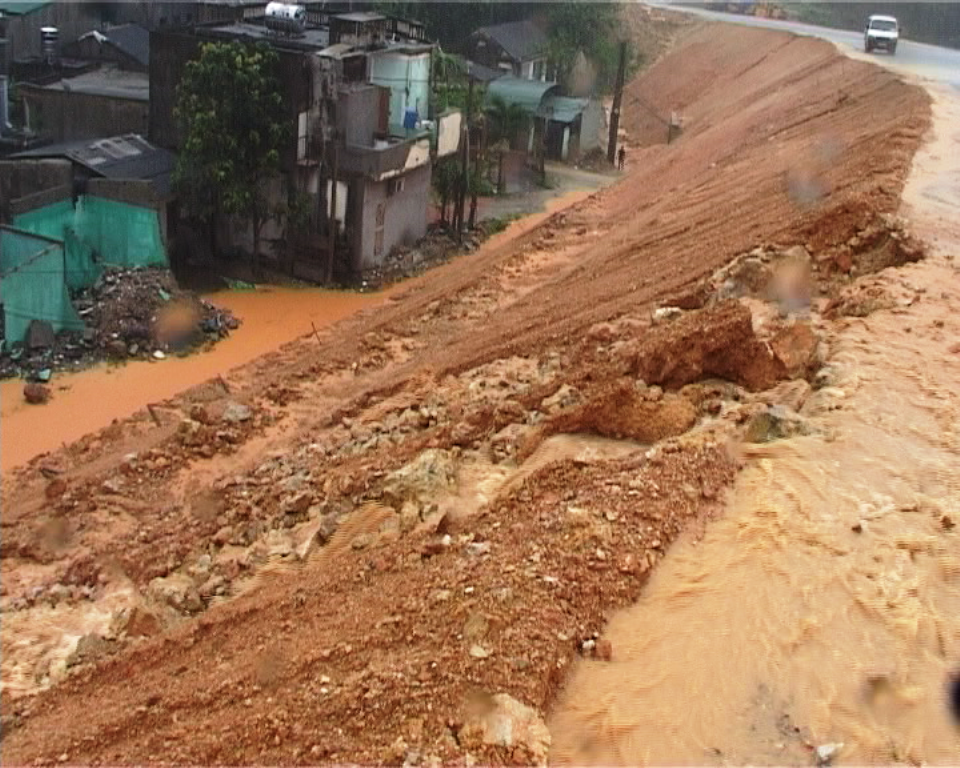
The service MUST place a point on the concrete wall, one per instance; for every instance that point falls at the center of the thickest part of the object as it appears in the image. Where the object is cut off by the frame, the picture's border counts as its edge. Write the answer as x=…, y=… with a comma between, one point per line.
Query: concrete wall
x=61, y=116
x=358, y=115
x=23, y=178
x=404, y=217
x=591, y=126
x=407, y=75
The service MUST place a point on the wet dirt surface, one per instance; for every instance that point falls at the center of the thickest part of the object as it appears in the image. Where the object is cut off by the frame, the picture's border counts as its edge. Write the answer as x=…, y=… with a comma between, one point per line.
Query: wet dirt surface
x=89, y=400
x=422, y=541
x=823, y=608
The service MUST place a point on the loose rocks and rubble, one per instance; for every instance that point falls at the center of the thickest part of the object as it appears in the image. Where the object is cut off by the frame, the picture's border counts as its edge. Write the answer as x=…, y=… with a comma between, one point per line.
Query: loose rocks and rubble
x=128, y=313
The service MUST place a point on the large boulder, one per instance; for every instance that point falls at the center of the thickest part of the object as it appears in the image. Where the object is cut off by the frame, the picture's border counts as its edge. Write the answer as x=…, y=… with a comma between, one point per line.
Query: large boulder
x=718, y=342
x=431, y=473
x=36, y=394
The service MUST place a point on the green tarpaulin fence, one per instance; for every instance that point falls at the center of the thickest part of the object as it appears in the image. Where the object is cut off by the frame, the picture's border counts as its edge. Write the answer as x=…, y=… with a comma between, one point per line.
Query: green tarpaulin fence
x=34, y=284
x=95, y=234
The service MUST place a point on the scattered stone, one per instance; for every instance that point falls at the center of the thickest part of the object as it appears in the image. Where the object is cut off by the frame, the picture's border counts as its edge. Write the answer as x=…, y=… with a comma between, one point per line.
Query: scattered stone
x=89, y=647
x=159, y=354
x=177, y=591
x=665, y=314
x=479, y=652
x=236, y=413
x=826, y=752
x=432, y=472
x=142, y=622
x=776, y=423
x=505, y=722
x=39, y=335
x=299, y=504
x=363, y=541
x=111, y=486
x=56, y=488
x=36, y=394
x=797, y=347
x=946, y=522
x=476, y=627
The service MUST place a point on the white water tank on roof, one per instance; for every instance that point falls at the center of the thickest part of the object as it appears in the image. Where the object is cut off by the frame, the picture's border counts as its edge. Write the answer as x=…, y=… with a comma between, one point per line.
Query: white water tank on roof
x=284, y=17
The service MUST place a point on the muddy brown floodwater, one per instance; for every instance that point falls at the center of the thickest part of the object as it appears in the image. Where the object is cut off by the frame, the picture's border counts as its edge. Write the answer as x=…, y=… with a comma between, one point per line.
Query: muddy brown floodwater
x=89, y=400
x=824, y=607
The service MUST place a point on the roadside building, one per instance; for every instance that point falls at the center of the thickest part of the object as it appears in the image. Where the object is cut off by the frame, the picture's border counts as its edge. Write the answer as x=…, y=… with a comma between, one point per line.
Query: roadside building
x=561, y=127
x=518, y=49
x=100, y=102
x=357, y=93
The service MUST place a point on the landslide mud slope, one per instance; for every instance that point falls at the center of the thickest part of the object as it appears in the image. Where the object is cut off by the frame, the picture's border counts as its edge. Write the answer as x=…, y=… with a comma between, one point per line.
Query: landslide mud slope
x=332, y=552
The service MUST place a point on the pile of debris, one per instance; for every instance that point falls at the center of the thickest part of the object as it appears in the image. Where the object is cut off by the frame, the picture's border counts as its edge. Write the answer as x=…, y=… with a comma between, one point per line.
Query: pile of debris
x=128, y=313
x=437, y=247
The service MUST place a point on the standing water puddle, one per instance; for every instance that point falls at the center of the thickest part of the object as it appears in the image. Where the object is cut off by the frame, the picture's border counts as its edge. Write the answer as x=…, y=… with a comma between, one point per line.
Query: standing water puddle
x=89, y=400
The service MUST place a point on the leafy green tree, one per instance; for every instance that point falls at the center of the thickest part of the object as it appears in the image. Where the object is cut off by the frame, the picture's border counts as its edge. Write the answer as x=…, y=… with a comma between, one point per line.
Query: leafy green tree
x=230, y=113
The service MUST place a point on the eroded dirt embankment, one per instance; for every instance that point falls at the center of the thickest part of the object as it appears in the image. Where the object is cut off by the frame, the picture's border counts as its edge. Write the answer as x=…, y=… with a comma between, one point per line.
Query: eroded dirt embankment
x=413, y=524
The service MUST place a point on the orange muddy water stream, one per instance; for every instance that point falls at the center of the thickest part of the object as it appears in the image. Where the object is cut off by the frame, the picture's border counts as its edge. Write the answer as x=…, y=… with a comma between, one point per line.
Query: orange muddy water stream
x=823, y=609
x=89, y=400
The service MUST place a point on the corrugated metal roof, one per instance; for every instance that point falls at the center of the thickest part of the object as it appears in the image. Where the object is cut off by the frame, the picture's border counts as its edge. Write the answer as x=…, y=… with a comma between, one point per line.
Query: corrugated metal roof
x=133, y=40
x=21, y=7
x=116, y=157
x=528, y=94
x=522, y=40
x=562, y=109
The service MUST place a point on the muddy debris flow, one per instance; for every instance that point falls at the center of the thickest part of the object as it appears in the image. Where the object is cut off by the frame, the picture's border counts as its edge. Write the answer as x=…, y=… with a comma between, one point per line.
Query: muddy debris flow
x=402, y=541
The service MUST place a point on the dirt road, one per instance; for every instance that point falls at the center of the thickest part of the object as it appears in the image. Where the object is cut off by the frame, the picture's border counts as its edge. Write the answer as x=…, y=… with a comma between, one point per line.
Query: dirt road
x=386, y=547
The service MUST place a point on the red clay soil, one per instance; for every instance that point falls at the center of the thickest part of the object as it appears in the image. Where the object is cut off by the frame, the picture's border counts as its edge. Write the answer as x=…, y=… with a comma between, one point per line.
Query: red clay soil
x=369, y=651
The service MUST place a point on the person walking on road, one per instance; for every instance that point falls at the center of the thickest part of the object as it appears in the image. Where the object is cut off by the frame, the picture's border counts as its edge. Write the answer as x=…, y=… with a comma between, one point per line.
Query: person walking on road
x=621, y=158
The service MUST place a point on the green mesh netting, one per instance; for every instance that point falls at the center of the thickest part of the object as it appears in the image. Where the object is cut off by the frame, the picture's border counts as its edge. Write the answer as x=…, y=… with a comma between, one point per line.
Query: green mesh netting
x=98, y=233
x=119, y=234
x=37, y=273
x=34, y=284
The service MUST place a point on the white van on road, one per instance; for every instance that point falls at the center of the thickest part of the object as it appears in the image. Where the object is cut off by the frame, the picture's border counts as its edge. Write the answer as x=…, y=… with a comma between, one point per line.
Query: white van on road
x=881, y=32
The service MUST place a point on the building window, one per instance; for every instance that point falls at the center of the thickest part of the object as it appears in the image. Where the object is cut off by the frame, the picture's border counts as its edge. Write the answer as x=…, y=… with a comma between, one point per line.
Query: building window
x=395, y=187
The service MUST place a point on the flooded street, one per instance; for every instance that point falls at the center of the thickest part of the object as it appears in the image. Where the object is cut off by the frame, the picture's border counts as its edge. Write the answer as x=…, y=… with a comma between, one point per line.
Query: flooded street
x=89, y=400
x=823, y=609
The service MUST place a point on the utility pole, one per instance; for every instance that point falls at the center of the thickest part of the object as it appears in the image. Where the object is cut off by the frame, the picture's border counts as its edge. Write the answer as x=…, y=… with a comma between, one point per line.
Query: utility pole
x=464, y=168
x=615, y=111
x=332, y=218
x=477, y=170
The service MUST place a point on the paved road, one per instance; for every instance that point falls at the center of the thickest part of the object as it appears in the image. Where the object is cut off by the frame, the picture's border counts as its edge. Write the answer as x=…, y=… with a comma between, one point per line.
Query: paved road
x=920, y=59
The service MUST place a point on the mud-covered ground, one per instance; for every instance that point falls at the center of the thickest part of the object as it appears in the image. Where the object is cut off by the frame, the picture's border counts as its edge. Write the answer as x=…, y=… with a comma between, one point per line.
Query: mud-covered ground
x=382, y=544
